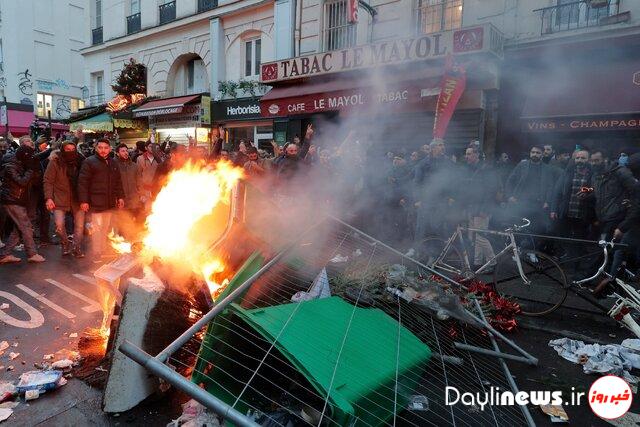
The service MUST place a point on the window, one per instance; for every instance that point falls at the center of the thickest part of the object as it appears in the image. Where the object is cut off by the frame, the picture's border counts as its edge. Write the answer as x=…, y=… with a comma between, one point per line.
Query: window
x=98, y=4
x=252, y=57
x=135, y=7
x=338, y=33
x=196, y=76
x=44, y=103
x=438, y=15
x=76, y=104
x=99, y=85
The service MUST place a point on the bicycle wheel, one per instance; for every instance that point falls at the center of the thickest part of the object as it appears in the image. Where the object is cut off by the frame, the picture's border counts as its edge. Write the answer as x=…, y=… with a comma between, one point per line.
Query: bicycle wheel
x=547, y=290
x=432, y=247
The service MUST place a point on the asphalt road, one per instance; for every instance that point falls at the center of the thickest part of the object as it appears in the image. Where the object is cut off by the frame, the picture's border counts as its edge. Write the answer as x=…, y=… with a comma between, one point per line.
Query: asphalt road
x=50, y=301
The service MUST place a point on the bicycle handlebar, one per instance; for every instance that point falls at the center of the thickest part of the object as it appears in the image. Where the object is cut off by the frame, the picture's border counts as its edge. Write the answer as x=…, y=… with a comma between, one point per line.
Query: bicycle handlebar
x=516, y=227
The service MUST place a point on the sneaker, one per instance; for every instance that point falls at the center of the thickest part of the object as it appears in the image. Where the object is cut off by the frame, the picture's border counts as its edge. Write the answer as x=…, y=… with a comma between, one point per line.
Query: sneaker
x=36, y=258
x=19, y=248
x=78, y=253
x=66, y=249
x=7, y=259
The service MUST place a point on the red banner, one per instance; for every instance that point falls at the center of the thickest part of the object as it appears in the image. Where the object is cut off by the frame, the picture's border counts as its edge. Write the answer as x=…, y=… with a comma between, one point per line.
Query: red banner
x=451, y=90
x=352, y=16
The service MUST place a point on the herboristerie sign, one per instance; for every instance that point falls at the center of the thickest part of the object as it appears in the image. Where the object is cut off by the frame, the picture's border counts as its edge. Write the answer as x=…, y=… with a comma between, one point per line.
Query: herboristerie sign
x=427, y=46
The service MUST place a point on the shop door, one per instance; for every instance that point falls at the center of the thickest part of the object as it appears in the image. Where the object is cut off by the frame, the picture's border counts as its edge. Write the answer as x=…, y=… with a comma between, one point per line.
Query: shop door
x=263, y=137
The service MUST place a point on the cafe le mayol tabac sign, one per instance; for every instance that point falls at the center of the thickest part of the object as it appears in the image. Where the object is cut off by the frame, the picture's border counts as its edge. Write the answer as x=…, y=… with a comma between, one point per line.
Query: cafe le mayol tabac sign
x=427, y=46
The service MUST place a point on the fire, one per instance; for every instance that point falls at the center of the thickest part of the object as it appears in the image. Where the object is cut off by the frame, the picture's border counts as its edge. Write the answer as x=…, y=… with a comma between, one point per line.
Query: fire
x=118, y=243
x=177, y=231
x=211, y=272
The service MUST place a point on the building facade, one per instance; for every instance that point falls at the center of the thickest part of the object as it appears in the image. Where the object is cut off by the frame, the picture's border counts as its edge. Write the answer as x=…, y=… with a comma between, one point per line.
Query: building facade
x=41, y=68
x=526, y=57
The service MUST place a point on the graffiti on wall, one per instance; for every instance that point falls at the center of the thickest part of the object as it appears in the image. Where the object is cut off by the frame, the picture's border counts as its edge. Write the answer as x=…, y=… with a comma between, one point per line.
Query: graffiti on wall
x=25, y=85
x=63, y=107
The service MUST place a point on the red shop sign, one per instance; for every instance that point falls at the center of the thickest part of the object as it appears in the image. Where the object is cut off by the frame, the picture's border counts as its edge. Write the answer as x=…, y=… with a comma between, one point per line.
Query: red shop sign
x=366, y=99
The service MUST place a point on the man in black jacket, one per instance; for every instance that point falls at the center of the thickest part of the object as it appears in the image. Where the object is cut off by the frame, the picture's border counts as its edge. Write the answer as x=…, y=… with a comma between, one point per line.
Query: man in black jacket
x=628, y=230
x=567, y=204
x=100, y=192
x=18, y=173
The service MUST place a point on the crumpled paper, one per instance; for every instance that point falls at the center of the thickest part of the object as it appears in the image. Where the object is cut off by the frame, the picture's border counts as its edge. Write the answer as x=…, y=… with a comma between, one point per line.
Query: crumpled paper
x=319, y=289
x=613, y=359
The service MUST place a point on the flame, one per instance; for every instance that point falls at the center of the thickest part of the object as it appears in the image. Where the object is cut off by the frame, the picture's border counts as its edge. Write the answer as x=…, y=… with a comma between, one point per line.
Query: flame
x=118, y=243
x=212, y=271
x=175, y=231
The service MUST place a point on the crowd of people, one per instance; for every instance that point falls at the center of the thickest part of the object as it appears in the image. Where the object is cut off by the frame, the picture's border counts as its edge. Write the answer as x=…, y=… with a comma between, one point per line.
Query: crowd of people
x=400, y=197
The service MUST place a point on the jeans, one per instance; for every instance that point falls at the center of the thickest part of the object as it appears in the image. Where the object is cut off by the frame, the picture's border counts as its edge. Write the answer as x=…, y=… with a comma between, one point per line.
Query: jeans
x=630, y=238
x=22, y=227
x=78, y=226
x=482, y=249
x=101, y=222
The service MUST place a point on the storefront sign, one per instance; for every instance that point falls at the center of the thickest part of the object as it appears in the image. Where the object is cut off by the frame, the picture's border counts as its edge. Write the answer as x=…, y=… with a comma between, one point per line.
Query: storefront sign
x=189, y=117
x=582, y=124
x=243, y=109
x=428, y=46
x=388, y=99
x=205, y=110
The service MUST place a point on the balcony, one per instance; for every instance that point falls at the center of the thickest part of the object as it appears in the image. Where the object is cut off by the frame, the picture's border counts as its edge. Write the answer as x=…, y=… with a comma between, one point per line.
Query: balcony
x=133, y=23
x=167, y=12
x=95, y=100
x=338, y=33
x=204, y=5
x=96, y=36
x=432, y=17
x=580, y=14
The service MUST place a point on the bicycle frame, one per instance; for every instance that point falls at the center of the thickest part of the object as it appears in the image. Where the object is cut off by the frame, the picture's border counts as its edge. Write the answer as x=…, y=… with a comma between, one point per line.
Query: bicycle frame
x=458, y=235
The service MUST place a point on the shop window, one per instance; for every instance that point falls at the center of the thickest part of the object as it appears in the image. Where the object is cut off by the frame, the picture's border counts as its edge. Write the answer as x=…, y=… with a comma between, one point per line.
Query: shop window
x=438, y=15
x=252, y=57
x=338, y=33
x=44, y=103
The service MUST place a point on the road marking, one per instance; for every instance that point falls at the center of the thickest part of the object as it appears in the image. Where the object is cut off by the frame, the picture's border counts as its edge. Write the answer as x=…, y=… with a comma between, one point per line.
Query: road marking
x=36, y=319
x=46, y=301
x=87, y=279
x=93, y=305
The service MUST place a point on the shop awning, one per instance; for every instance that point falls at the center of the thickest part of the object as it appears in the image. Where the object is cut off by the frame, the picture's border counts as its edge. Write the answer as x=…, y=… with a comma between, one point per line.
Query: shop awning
x=129, y=123
x=100, y=123
x=347, y=95
x=19, y=122
x=164, y=106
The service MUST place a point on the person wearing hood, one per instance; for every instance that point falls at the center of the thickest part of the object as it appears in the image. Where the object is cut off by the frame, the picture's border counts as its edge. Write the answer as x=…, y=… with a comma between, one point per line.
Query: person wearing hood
x=18, y=174
x=567, y=203
x=628, y=231
x=59, y=184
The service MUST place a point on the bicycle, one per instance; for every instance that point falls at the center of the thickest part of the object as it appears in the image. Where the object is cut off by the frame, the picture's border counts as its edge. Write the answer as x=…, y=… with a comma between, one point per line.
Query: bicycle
x=537, y=270
x=627, y=297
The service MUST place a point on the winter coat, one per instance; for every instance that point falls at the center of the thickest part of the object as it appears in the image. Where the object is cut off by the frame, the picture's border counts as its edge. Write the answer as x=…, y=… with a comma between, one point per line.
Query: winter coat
x=60, y=182
x=477, y=189
x=147, y=171
x=16, y=180
x=99, y=183
x=561, y=195
x=519, y=177
x=609, y=190
x=632, y=218
x=130, y=182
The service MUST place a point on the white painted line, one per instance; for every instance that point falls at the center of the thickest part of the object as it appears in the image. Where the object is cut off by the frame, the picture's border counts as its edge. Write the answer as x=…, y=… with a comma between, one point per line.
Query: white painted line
x=88, y=279
x=93, y=305
x=46, y=301
x=36, y=319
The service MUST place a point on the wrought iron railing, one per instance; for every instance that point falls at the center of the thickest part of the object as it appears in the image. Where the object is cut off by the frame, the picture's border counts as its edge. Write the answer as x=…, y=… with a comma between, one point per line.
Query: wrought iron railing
x=204, y=5
x=133, y=23
x=167, y=12
x=338, y=33
x=577, y=14
x=96, y=100
x=96, y=35
x=441, y=16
